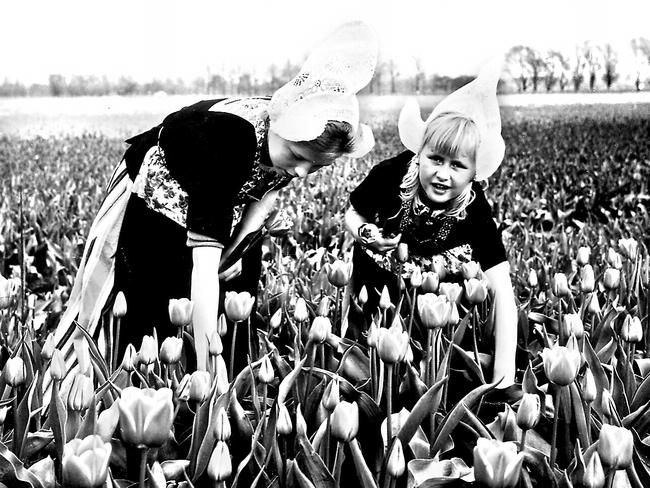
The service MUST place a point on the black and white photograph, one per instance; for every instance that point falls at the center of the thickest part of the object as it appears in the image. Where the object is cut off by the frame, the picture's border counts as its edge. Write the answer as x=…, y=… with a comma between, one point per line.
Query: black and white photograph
x=300, y=244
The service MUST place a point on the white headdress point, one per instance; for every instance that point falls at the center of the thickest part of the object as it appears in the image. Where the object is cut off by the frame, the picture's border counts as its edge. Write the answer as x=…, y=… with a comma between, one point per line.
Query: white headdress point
x=476, y=100
x=325, y=89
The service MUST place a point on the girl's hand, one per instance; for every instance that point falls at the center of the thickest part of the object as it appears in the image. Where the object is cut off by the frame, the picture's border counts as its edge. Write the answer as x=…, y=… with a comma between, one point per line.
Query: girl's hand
x=232, y=272
x=383, y=244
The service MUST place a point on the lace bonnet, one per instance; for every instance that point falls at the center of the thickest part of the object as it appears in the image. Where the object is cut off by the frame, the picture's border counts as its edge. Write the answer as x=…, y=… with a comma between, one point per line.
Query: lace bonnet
x=325, y=89
x=476, y=100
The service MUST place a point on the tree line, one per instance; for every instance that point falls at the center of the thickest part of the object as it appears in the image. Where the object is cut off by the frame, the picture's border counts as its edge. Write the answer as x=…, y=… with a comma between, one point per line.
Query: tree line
x=589, y=67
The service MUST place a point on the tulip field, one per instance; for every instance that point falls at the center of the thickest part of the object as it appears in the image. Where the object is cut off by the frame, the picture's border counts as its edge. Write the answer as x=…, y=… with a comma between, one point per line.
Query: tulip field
x=410, y=401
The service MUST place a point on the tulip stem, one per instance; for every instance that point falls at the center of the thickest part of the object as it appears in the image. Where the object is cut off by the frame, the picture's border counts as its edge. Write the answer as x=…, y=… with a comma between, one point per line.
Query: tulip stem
x=337, y=326
x=609, y=482
x=231, y=371
x=560, y=326
x=415, y=290
x=373, y=372
x=264, y=404
x=523, y=439
x=14, y=406
x=312, y=359
x=116, y=343
x=558, y=396
x=338, y=463
x=389, y=403
x=143, y=466
x=328, y=434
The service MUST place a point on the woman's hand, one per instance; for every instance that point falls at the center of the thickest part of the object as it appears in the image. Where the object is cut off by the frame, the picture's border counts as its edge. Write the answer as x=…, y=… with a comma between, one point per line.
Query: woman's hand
x=232, y=272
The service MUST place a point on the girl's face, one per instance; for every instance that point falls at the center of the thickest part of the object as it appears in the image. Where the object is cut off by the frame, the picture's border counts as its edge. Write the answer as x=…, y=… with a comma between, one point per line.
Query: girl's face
x=294, y=158
x=443, y=177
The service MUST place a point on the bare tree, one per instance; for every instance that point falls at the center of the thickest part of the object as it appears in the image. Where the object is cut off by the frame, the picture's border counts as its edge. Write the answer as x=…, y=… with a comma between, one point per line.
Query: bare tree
x=610, y=60
x=577, y=75
x=641, y=50
x=555, y=67
x=536, y=63
x=517, y=60
x=593, y=59
x=392, y=71
x=419, y=75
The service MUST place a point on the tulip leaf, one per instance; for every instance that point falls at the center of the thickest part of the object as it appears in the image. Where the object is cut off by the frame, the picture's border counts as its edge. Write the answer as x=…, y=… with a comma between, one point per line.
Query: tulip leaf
x=426, y=405
x=57, y=419
x=471, y=364
x=23, y=418
x=642, y=394
x=13, y=471
x=36, y=441
x=97, y=357
x=312, y=463
x=619, y=396
x=363, y=472
x=599, y=376
x=89, y=424
x=287, y=383
x=606, y=353
x=579, y=414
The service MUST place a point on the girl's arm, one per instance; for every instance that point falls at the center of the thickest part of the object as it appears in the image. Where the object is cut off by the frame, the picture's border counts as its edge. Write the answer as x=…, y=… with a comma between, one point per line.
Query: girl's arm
x=505, y=328
x=353, y=220
x=205, y=296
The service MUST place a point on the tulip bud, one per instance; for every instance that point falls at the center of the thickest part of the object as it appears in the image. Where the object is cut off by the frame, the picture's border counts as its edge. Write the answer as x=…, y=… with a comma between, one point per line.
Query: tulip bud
x=615, y=445
x=148, y=352
x=593, y=307
x=606, y=402
x=373, y=334
x=156, y=476
x=454, y=316
x=532, y=279
x=529, y=411
x=182, y=391
x=220, y=464
x=611, y=278
x=14, y=371
x=128, y=362
x=44, y=471
x=83, y=356
x=402, y=252
x=453, y=291
x=582, y=256
x=476, y=291
x=363, y=295
x=81, y=393
x=174, y=469
x=170, y=350
x=434, y=311
x=496, y=463
x=560, y=285
x=301, y=424
x=430, y=282
x=339, y=273
x=57, y=365
x=331, y=395
x=587, y=279
x=592, y=475
x=561, y=364
x=238, y=306
x=396, y=464
x=614, y=259
x=324, y=306
x=629, y=248
x=222, y=429
x=392, y=344
x=119, y=305
x=438, y=266
x=573, y=325
x=470, y=270
x=631, y=331
x=107, y=421
x=384, y=299
x=320, y=328
x=215, y=346
x=276, y=319
x=265, y=374
x=283, y=426
x=199, y=386
x=180, y=311
x=85, y=462
x=222, y=325
x=146, y=416
x=48, y=348
x=345, y=421
x=416, y=277
x=300, y=312
x=588, y=386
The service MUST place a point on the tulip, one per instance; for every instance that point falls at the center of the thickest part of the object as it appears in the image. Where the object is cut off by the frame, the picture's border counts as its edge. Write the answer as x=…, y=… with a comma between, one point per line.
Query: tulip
x=454, y=316
x=632, y=331
x=265, y=374
x=107, y=421
x=629, y=248
x=6, y=293
x=392, y=345
x=560, y=285
x=384, y=299
x=339, y=273
x=170, y=350
x=588, y=386
x=587, y=279
x=363, y=295
x=301, y=423
x=3, y=414
x=453, y=291
x=331, y=395
x=82, y=352
x=276, y=319
x=611, y=278
x=496, y=463
x=180, y=311
x=434, y=310
x=529, y=411
x=85, y=462
x=148, y=352
x=324, y=306
x=606, y=402
x=57, y=365
x=300, y=312
x=583, y=254
x=532, y=279
x=146, y=416
x=215, y=346
x=591, y=474
x=48, y=348
x=157, y=476
x=220, y=464
x=182, y=391
x=320, y=329
x=199, y=386
x=476, y=291
x=561, y=364
x=14, y=371
x=615, y=446
x=614, y=259
x=283, y=425
x=81, y=393
x=573, y=325
x=438, y=267
x=119, y=306
x=470, y=270
x=373, y=334
x=174, y=469
x=593, y=307
x=345, y=421
x=430, y=282
x=402, y=252
x=238, y=305
x=416, y=277
x=396, y=464
x=128, y=362
x=222, y=429
x=44, y=471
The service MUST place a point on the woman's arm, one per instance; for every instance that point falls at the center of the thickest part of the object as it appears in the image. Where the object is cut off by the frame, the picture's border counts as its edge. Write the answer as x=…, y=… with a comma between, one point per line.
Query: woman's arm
x=505, y=329
x=353, y=220
x=205, y=296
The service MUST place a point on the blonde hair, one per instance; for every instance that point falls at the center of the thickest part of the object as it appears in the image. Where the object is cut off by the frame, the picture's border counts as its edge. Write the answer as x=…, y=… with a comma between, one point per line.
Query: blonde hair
x=451, y=134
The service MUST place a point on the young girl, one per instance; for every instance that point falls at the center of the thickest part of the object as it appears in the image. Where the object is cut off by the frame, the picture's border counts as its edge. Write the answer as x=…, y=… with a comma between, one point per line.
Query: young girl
x=172, y=204
x=430, y=198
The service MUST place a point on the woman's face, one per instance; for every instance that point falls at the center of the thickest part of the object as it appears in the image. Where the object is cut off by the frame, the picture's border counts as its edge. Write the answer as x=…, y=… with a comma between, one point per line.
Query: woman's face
x=294, y=158
x=443, y=177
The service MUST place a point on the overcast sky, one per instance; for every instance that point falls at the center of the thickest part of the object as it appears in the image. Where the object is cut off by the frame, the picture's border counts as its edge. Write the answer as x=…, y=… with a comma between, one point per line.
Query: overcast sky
x=149, y=39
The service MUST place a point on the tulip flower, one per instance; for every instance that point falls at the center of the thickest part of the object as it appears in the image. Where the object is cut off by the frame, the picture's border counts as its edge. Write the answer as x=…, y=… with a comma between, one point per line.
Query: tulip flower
x=222, y=429
x=276, y=319
x=629, y=248
x=300, y=312
x=611, y=278
x=532, y=279
x=373, y=334
x=180, y=311
x=331, y=395
x=392, y=344
x=496, y=463
x=146, y=416
x=561, y=364
x=593, y=307
x=44, y=471
x=81, y=393
x=384, y=299
x=606, y=403
x=85, y=462
x=238, y=306
x=453, y=291
x=430, y=282
x=48, y=348
x=339, y=273
x=560, y=285
x=363, y=295
x=438, y=266
x=587, y=279
x=148, y=352
x=220, y=464
x=129, y=359
x=476, y=291
x=323, y=307
x=174, y=469
x=345, y=421
x=215, y=346
x=416, y=277
x=107, y=421
x=157, y=476
x=631, y=331
x=14, y=371
x=171, y=349
x=454, y=316
x=396, y=464
x=615, y=446
x=583, y=254
x=265, y=374
x=283, y=425
x=402, y=252
x=588, y=386
x=82, y=352
x=589, y=473
x=529, y=411
x=199, y=386
x=614, y=259
x=57, y=365
x=434, y=310
x=470, y=270
x=320, y=328
x=119, y=306
x=572, y=324
x=182, y=391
